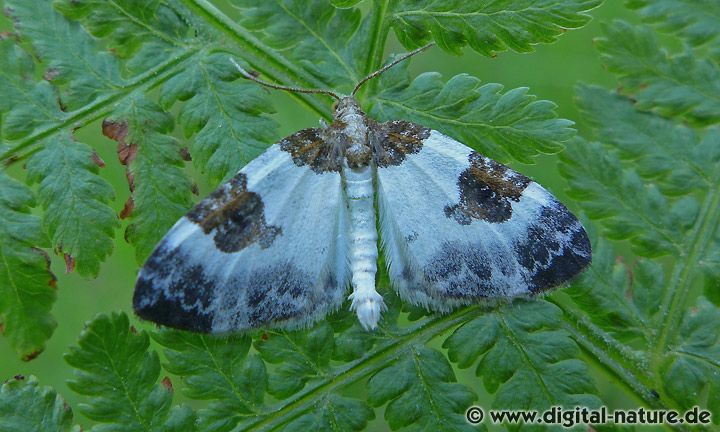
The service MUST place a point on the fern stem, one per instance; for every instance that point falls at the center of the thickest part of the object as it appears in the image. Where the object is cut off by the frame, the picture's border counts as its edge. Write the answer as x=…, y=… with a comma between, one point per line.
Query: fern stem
x=379, y=35
x=102, y=106
x=387, y=353
x=616, y=357
x=677, y=290
x=631, y=379
x=262, y=57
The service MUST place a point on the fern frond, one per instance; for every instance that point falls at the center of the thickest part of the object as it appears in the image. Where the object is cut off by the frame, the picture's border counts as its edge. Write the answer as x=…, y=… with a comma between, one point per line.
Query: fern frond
x=132, y=26
x=74, y=64
x=646, y=178
x=158, y=197
x=118, y=377
x=692, y=366
x=218, y=369
x=661, y=150
x=333, y=413
x=672, y=85
x=227, y=116
x=505, y=126
x=487, y=28
x=76, y=200
x=27, y=286
x=625, y=205
x=525, y=356
x=421, y=391
x=693, y=20
x=25, y=406
x=653, y=180
x=25, y=104
x=330, y=44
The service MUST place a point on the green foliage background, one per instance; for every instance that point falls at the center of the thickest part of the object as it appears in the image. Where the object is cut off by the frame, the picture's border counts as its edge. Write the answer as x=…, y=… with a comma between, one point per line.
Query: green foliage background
x=640, y=328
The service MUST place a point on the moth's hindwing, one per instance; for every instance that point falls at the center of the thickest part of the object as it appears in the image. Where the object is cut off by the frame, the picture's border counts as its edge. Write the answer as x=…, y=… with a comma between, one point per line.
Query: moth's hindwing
x=266, y=248
x=457, y=226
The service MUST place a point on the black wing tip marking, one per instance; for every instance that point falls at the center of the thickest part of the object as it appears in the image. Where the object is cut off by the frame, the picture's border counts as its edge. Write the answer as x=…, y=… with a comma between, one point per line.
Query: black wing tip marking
x=181, y=311
x=555, y=250
x=167, y=312
x=173, y=292
x=554, y=262
x=565, y=268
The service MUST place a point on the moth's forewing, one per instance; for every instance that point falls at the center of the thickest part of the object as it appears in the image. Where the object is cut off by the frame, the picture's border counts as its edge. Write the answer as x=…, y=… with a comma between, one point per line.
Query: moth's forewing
x=458, y=227
x=265, y=249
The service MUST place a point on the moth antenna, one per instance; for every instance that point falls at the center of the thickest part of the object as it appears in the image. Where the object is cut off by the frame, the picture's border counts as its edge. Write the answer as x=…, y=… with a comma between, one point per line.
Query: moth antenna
x=250, y=76
x=389, y=65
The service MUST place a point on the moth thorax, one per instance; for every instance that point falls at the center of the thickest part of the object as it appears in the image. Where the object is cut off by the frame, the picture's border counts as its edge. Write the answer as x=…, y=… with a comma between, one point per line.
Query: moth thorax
x=358, y=155
x=349, y=114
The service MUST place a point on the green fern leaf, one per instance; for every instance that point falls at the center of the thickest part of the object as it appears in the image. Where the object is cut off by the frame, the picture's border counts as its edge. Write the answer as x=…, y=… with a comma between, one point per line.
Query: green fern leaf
x=660, y=149
x=421, y=393
x=81, y=76
x=709, y=266
x=333, y=413
x=525, y=357
x=504, y=126
x=696, y=21
x=25, y=406
x=627, y=207
x=27, y=286
x=226, y=115
x=328, y=43
x=221, y=370
x=146, y=33
x=26, y=104
x=352, y=341
x=649, y=180
x=129, y=23
x=300, y=355
x=217, y=369
x=680, y=85
x=85, y=76
x=648, y=158
x=74, y=197
x=619, y=296
x=487, y=27
x=118, y=375
x=345, y=3
x=692, y=366
x=159, y=197
x=76, y=202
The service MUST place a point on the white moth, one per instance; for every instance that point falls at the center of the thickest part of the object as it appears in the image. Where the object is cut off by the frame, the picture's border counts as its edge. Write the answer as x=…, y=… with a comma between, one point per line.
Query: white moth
x=280, y=242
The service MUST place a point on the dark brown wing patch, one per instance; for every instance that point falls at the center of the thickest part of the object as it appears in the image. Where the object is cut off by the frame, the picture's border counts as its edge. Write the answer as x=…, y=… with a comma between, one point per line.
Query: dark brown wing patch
x=317, y=148
x=396, y=139
x=236, y=215
x=486, y=191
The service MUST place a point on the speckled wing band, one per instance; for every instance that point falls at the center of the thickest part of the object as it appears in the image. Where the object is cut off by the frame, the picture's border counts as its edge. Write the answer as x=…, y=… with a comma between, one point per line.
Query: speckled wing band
x=457, y=226
x=266, y=248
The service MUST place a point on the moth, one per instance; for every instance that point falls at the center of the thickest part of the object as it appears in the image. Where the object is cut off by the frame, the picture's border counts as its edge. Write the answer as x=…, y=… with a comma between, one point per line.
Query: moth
x=279, y=244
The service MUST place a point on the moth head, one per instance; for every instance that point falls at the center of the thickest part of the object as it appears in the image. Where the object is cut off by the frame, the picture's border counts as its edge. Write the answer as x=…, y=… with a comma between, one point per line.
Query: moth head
x=346, y=105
